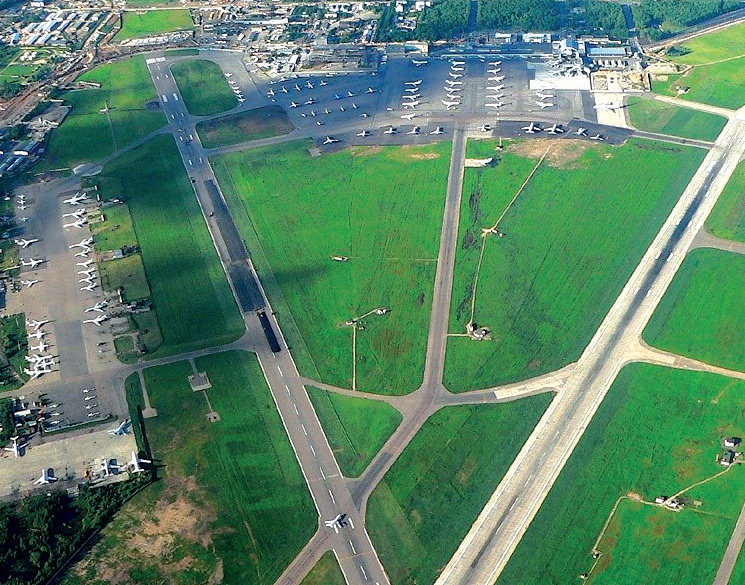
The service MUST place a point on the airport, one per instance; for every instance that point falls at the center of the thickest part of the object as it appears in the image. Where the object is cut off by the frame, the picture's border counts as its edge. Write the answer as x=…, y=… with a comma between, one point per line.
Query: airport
x=85, y=403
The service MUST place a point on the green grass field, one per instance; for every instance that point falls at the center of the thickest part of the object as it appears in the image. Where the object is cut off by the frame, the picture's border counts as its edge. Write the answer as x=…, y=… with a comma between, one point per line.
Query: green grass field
x=190, y=292
x=203, y=87
x=356, y=428
x=738, y=574
x=126, y=274
x=718, y=76
x=223, y=486
x=115, y=231
x=727, y=219
x=250, y=125
x=326, y=572
x=657, y=432
x=654, y=116
x=296, y=211
x=426, y=503
x=702, y=312
x=153, y=22
x=87, y=135
x=573, y=238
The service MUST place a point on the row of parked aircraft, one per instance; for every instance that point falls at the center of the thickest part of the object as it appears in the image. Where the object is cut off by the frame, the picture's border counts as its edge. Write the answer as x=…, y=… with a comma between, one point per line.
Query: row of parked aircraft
x=542, y=97
x=534, y=128
x=494, y=92
x=453, y=85
x=39, y=362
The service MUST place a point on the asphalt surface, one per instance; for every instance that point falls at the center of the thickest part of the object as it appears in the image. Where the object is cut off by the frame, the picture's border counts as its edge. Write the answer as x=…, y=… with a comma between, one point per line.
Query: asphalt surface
x=350, y=542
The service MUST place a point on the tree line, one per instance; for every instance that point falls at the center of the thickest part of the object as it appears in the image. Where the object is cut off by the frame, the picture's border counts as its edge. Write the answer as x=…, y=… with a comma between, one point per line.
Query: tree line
x=649, y=15
x=522, y=15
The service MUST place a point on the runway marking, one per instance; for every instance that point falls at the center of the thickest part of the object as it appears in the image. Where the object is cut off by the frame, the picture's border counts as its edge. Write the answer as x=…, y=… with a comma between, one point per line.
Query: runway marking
x=333, y=499
x=351, y=524
x=323, y=475
x=312, y=450
x=295, y=407
x=304, y=431
x=279, y=370
x=514, y=503
x=351, y=545
x=362, y=570
x=288, y=389
x=556, y=434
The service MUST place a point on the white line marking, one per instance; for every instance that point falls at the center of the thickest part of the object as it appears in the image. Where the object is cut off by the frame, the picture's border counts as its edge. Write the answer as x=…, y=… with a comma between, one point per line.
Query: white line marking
x=333, y=499
x=279, y=370
x=323, y=475
x=362, y=570
x=296, y=410
x=513, y=505
x=312, y=450
x=351, y=523
x=351, y=545
x=304, y=431
x=288, y=389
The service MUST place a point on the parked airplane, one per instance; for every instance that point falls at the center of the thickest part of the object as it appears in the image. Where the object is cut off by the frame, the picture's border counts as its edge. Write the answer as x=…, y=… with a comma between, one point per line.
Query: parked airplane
x=90, y=287
x=23, y=243
x=370, y=90
x=495, y=70
x=532, y=128
x=419, y=63
x=76, y=199
x=283, y=89
x=438, y=130
x=544, y=105
x=609, y=107
x=338, y=97
x=297, y=87
x=330, y=140
x=29, y=283
x=241, y=99
x=98, y=320
x=98, y=307
x=79, y=224
x=364, y=115
x=88, y=279
x=391, y=130
x=415, y=96
x=85, y=264
x=76, y=214
x=495, y=63
x=47, y=476
x=544, y=96
x=41, y=348
x=309, y=102
x=134, y=463
x=16, y=448
x=451, y=82
x=597, y=137
x=496, y=78
x=456, y=63
x=270, y=93
x=22, y=206
x=414, y=131
x=38, y=334
x=555, y=129
x=36, y=373
x=32, y=262
x=83, y=253
x=410, y=105
x=335, y=523
x=122, y=429
x=85, y=243
x=364, y=133
x=322, y=83
x=412, y=89
x=309, y=85
x=581, y=132
x=350, y=94
x=294, y=105
x=457, y=69
x=417, y=82
x=408, y=116
x=449, y=104
x=354, y=106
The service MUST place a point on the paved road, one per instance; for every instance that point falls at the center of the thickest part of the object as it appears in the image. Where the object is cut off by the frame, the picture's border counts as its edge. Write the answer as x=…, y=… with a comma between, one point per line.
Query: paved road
x=499, y=528
x=716, y=23
x=733, y=551
x=351, y=543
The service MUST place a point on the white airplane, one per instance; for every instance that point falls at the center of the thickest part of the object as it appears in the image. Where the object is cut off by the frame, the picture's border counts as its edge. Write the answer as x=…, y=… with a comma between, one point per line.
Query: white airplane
x=88, y=279
x=412, y=89
x=32, y=262
x=350, y=94
x=92, y=414
x=495, y=70
x=76, y=214
x=414, y=131
x=495, y=63
x=411, y=105
x=40, y=360
x=241, y=99
x=438, y=130
x=308, y=84
x=91, y=397
x=82, y=244
x=457, y=63
x=581, y=132
x=363, y=134
x=29, y=283
x=499, y=87
x=544, y=96
x=342, y=109
x=364, y=115
x=79, y=224
x=555, y=129
x=322, y=83
x=390, y=130
x=294, y=105
x=41, y=348
x=88, y=271
x=134, y=463
x=335, y=523
x=16, y=448
x=297, y=87
x=598, y=137
x=532, y=128
x=319, y=123
x=98, y=320
x=457, y=69
x=76, y=199
x=451, y=82
x=85, y=264
x=417, y=82
x=36, y=372
x=270, y=93
x=47, y=476
x=419, y=62
x=283, y=89
x=22, y=206
x=544, y=105
x=90, y=287
x=91, y=406
x=338, y=97
x=98, y=307
x=83, y=253
x=326, y=111
x=408, y=116
x=34, y=324
x=455, y=75
x=449, y=104
x=414, y=96
x=496, y=78
x=38, y=335
x=122, y=429
x=609, y=107
x=370, y=90
x=24, y=219
x=313, y=113
x=309, y=102
x=330, y=140
x=25, y=243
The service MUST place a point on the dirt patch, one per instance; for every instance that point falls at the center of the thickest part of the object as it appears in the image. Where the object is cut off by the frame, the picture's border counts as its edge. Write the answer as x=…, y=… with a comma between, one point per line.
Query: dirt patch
x=634, y=496
x=564, y=154
x=366, y=150
x=152, y=106
x=424, y=156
